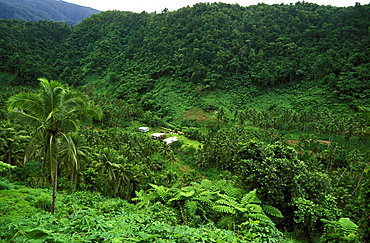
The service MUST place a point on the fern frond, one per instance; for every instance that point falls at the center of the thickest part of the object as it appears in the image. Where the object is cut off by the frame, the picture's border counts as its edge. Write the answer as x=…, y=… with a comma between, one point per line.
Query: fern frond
x=208, y=194
x=226, y=197
x=254, y=208
x=224, y=209
x=191, y=207
x=230, y=203
x=140, y=196
x=258, y=216
x=221, y=184
x=205, y=200
x=243, y=210
x=234, y=192
x=272, y=211
x=250, y=197
x=226, y=222
x=143, y=198
x=161, y=191
x=176, y=198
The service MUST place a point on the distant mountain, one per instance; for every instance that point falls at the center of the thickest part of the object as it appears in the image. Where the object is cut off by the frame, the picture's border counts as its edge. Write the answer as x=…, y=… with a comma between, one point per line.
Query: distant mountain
x=49, y=10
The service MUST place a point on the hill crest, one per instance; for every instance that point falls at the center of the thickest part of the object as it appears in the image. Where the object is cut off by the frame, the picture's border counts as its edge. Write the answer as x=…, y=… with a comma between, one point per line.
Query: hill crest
x=49, y=10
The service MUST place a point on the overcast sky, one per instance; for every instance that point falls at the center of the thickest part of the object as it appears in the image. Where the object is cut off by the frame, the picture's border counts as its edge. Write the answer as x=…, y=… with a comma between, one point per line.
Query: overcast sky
x=158, y=5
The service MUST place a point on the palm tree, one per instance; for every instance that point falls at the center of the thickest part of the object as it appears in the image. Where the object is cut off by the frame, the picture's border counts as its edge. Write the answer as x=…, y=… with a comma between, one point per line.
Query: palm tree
x=82, y=152
x=108, y=162
x=116, y=170
x=13, y=140
x=54, y=111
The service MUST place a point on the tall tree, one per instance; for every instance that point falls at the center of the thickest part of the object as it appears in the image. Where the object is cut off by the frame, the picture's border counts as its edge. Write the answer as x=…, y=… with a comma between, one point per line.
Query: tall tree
x=54, y=112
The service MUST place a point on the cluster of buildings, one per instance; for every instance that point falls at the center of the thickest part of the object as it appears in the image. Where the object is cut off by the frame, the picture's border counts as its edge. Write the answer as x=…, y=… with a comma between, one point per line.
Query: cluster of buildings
x=160, y=135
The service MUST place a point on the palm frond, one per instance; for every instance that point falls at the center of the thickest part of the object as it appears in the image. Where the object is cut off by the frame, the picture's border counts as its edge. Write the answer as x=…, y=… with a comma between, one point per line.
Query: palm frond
x=71, y=149
x=33, y=146
x=25, y=106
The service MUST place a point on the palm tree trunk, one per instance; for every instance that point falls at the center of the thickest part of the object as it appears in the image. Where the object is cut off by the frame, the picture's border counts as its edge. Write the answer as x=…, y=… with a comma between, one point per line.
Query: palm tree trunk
x=9, y=162
x=54, y=198
x=72, y=179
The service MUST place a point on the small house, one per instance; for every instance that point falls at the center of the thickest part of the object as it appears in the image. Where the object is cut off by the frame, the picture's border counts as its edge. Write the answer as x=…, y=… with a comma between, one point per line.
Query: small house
x=171, y=140
x=144, y=129
x=159, y=135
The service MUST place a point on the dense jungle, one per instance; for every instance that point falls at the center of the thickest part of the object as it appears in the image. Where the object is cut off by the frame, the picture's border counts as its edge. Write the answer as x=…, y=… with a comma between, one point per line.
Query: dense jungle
x=270, y=105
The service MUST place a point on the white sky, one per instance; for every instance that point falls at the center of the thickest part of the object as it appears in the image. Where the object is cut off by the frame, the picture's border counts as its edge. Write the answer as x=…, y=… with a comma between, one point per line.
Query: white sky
x=158, y=5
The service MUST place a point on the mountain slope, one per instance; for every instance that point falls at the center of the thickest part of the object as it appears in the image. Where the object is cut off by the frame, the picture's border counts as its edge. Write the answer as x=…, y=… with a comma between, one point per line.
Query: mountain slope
x=187, y=58
x=50, y=10
x=229, y=47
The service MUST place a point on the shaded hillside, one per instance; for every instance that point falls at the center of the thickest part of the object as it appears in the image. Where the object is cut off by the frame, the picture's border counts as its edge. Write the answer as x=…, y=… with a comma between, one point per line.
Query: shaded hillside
x=213, y=46
x=208, y=49
x=50, y=10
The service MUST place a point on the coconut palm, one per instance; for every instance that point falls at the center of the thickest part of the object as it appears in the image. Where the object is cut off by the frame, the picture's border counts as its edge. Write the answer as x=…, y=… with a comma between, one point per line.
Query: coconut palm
x=54, y=111
x=108, y=162
x=13, y=140
x=83, y=154
x=119, y=174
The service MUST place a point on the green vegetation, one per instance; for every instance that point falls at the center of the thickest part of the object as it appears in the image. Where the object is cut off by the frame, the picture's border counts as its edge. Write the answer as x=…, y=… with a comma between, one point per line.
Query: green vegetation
x=49, y=10
x=270, y=104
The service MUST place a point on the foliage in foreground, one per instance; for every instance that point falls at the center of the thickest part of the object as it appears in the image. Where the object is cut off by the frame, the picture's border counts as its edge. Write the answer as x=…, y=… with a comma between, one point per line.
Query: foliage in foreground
x=90, y=217
x=54, y=111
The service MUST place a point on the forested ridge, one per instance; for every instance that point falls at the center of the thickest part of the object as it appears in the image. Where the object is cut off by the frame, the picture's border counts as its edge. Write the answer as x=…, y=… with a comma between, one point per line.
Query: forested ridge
x=270, y=104
x=49, y=10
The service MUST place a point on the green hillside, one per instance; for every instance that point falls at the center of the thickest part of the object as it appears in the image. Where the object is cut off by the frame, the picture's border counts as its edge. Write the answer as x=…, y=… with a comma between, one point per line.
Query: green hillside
x=49, y=10
x=270, y=104
x=201, y=49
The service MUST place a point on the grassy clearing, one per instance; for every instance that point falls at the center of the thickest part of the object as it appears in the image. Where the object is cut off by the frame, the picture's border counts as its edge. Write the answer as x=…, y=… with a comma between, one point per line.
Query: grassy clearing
x=197, y=114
